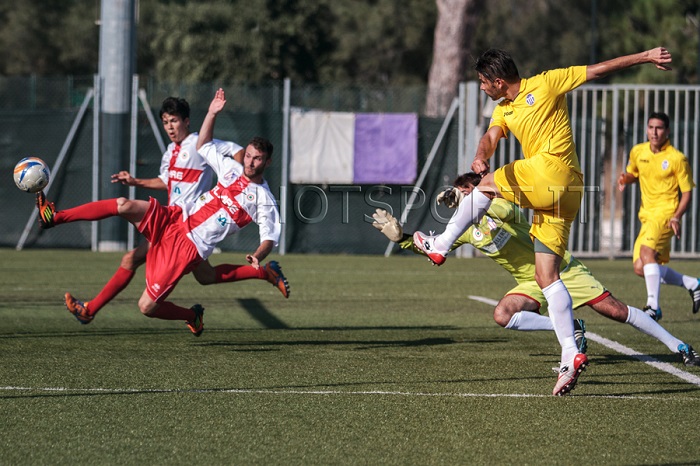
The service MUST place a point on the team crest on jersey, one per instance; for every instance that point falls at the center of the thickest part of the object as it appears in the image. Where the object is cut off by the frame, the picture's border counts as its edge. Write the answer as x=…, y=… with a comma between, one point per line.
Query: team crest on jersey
x=477, y=234
x=664, y=165
x=530, y=99
x=184, y=155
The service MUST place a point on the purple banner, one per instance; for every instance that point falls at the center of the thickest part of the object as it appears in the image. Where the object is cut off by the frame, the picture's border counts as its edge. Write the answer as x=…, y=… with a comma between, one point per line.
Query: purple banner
x=385, y=148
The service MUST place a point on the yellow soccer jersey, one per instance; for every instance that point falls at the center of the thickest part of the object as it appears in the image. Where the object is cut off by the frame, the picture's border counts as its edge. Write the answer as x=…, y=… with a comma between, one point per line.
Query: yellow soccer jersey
x=660, y=176
x=539, y=115
x=503, y=235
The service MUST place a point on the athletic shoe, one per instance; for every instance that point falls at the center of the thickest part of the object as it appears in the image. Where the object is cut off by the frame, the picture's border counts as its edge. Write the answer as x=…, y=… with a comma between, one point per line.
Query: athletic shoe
x=276, y=277
x=46, y=210
x=78, y=309
x=690, y=357
x=580, y=335
x=426, y=244
x=695, y=295
x=196, y=326
x=653, y=313
x=568, y=375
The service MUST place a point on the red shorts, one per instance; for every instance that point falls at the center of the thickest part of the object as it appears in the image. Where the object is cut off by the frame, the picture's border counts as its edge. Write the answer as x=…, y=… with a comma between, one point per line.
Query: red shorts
x=172, y=255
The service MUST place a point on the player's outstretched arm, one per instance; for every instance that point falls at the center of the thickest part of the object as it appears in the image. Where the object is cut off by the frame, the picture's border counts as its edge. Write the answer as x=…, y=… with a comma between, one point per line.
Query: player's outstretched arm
x=125, y=178
x=206, y=132
x=659, y=57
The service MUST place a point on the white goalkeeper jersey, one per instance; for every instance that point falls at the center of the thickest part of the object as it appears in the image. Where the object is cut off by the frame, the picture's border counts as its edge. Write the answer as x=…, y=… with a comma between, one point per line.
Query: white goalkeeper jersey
x=232, y=204
x=185, y=173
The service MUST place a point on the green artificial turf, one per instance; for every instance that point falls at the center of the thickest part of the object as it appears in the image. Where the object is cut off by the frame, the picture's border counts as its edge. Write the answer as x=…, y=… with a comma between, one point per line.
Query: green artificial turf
x=371, y=360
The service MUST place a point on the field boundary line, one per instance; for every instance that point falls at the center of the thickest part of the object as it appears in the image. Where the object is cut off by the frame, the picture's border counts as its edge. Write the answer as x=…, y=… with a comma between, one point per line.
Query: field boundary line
x=246, y=391
x=620, y=348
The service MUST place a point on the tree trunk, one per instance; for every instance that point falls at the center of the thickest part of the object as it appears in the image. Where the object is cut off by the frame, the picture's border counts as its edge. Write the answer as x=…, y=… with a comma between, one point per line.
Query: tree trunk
x=454, y=31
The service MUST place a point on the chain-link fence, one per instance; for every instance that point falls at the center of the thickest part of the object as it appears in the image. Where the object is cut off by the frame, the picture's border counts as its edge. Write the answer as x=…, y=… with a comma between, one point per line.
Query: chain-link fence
x=37, y=115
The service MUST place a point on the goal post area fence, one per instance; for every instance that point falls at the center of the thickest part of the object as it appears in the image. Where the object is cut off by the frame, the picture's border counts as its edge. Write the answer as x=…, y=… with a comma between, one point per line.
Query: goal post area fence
x=55, y=119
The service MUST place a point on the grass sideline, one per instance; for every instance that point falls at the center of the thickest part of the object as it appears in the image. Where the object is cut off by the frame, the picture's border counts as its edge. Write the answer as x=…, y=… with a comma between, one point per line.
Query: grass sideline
x=371, y=360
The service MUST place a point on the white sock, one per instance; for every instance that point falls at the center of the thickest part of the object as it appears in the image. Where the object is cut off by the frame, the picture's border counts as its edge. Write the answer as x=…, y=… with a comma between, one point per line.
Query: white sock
x=645, y=324
x=528, y=321
x=652, y=277
x=562, y=317
x=469, y=212
x=671, y=277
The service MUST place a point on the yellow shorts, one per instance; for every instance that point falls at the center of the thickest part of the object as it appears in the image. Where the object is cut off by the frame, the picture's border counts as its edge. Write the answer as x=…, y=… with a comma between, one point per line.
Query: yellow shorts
x=549, y=187
x=582, y=285
x=656, y=234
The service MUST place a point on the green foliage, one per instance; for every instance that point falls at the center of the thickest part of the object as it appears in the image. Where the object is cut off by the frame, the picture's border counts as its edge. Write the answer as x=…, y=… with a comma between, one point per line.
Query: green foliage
x=376, y=42
x=48, y=37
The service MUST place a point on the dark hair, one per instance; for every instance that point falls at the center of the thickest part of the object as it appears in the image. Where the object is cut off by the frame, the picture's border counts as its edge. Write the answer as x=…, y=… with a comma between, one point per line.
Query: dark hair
x=495, y=63
x=262, y=145
x=661, y=116
x=466, y=179
x=175, y=106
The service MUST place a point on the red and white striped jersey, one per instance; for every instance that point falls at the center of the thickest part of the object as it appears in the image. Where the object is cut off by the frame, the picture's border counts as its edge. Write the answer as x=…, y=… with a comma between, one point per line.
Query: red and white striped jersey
x=232, y=204
x=186, y=174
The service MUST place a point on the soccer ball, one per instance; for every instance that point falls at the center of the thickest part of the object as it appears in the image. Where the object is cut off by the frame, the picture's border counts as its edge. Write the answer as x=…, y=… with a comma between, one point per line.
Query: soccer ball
x=31, y=174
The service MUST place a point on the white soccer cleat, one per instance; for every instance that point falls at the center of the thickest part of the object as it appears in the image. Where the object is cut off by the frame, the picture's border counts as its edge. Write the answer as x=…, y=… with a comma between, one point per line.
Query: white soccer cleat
x=568, y=374
x=426, y=244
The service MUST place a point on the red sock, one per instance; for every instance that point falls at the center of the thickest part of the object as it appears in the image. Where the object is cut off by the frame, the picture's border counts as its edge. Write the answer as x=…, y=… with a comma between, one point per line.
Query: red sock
x=171, y=311
x=114, y=286
x=233, y=273
x=91, y=211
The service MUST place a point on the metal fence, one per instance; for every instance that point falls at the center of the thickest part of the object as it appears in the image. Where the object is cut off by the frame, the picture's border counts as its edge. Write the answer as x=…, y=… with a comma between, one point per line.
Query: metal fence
x=608, y=120
x=37, y=114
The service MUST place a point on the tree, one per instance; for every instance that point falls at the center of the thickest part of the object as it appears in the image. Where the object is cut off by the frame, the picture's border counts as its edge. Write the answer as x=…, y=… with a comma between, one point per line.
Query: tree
x=454, y=33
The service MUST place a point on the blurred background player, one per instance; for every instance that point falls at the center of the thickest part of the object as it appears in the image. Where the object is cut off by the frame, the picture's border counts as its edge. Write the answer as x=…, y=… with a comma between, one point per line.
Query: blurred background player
x=662, y=172
x=548, y=180
x=186, y=176
x=503, y=235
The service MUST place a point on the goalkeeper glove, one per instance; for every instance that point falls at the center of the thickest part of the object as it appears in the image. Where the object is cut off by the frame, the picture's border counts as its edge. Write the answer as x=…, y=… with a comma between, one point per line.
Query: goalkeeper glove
x=451, y=197
x=388, y=225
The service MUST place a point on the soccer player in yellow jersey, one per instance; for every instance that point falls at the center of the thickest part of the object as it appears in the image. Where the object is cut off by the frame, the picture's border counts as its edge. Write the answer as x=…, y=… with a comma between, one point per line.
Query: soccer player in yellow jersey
x=548, y=180
x=503, y=235
x=662, y=172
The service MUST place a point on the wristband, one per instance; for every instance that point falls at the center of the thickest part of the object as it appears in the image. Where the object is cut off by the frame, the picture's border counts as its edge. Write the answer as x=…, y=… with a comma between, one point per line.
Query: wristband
x=674, y=219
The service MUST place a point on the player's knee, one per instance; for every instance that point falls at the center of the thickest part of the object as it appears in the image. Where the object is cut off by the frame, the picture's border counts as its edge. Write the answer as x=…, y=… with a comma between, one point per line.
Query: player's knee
x=147, y=307
x=122, y=203
x=545, y=279
x=502, y=315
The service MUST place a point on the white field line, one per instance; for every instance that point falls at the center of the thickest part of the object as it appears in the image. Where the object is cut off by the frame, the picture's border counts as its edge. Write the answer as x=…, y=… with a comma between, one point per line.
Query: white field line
x=615, y=346
x=244, y=391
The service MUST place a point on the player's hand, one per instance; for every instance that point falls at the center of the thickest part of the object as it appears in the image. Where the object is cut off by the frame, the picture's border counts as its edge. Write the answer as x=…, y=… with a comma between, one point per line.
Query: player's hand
x=218, y=103
x=661, y=58
x=388, y=225
x=480, y=167
x=252, y=260
x=123, y=177
x=675, y=225
x=621, y=181
x=451, y=197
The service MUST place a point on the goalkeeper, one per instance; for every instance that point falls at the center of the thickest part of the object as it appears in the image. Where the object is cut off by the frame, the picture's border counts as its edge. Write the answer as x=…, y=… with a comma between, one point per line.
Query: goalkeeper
x=503, y=235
